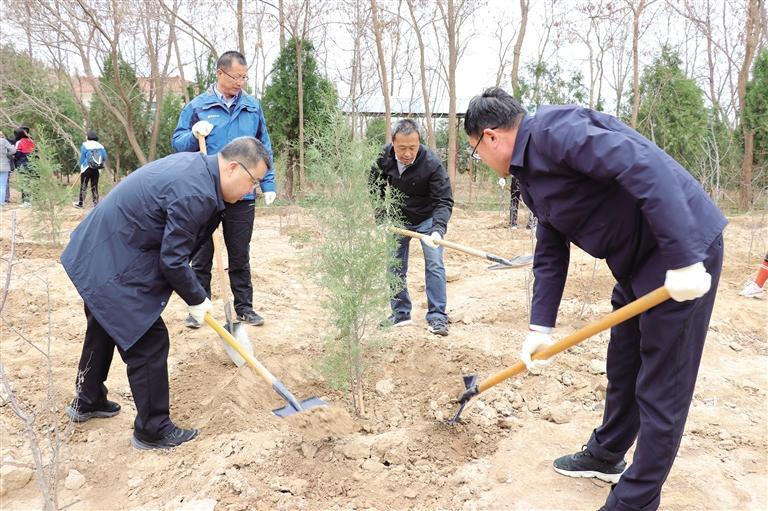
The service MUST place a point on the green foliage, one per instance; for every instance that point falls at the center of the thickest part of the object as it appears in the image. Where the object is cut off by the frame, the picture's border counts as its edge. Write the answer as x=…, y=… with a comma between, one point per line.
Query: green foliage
x=376, y=131
x=281, y=99
x=47, y=196
x=169, y=117
x=543, y=84
x=672, y=112
x=756, y=113
x=351, y=259
x=111, y=132
x=35, y=95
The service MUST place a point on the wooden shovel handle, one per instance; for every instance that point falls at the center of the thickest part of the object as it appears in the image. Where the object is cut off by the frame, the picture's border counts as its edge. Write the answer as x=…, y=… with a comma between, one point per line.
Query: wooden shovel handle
x=227, y=337
x=630, y=310
x=203, y=146
x=445, y=243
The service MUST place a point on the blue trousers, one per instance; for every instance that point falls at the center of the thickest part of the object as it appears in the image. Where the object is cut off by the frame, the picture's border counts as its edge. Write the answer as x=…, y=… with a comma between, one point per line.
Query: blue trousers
x=3, y=186
x=434, y=275
x=652, y=364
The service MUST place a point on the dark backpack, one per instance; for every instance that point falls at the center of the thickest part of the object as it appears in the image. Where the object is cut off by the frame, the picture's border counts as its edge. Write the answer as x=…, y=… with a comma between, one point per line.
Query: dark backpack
x=95, y=161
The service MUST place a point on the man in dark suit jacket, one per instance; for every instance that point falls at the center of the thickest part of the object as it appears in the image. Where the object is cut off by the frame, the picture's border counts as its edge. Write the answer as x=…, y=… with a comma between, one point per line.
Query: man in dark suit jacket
x=592, y=181
x=427, y=202
x=127, y=257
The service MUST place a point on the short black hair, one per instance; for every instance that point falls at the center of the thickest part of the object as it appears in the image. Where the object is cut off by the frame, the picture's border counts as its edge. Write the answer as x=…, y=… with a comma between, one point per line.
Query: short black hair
x=92, y=135
x=247, y=150
x=494, y=108
x=226, y=59
x=406, y=127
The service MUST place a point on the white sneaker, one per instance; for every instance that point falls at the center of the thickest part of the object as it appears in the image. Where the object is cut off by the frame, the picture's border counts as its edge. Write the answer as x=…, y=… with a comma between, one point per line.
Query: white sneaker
x=752, y=290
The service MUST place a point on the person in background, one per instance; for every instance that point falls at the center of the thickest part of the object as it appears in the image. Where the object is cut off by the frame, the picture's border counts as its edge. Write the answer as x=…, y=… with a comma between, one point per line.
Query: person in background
x=93, y=157
x=7, y=150
x=126, y=258
x=413, y=169
x=223, y=112
x=24, y=148
x=514, y=203
x=754, y=288
x=592, y=181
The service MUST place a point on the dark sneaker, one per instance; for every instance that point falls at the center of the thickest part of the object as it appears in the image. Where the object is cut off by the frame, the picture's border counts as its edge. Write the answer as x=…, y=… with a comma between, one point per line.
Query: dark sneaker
x=77, y=205
x=583, y=464
x=191, y=322
x=251, y=318
x=397, y=319
x=173, y=439
x=108, y=409
x=437, y=327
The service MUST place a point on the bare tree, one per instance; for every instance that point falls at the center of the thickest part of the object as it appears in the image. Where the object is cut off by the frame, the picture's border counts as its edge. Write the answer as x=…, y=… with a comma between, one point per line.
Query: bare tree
x=417, y=27
x=502, y=37
x=637, y=7
x=752, y=32
x=378, y=36
x=524, y=4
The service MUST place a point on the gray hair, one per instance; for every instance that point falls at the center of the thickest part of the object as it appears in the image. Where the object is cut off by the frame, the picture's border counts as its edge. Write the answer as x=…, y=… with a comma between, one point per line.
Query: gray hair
x=494, y=108
x=406, y=127
x=226, y=59
x=247, y=150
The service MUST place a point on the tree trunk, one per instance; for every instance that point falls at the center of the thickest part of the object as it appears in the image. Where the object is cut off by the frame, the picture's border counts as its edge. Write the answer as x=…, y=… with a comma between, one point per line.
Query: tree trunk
x=281, y=22
x=431, y=141
x=518, y=47
x=300, y=93
x=637, y=12
x=240, y=31
x=452, y=58
x=377, y=33
x=751, y=37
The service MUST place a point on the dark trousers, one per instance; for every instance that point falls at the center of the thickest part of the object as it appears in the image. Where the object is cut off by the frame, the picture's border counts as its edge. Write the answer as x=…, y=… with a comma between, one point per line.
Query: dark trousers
x=237, y=223
x=147, y=376
x=92, y=176
x=514, y=204
x=652, y=365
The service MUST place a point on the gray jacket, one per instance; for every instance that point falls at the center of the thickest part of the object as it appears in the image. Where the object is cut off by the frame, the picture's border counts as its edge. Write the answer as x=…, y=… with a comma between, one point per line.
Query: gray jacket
x=6, y=153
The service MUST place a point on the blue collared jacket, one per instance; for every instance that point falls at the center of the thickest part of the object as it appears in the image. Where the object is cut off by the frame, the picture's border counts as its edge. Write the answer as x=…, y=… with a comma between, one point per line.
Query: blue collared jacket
x=244, y=118
x=129, y=253
x=593, y=181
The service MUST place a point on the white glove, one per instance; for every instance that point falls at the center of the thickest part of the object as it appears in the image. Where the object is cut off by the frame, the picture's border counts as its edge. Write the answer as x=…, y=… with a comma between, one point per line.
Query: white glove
x=430, y=240
x=198, y=311
x=502, y=182
x=269, y=197
x=535, y=341
x=202, y=128
x=688, y=283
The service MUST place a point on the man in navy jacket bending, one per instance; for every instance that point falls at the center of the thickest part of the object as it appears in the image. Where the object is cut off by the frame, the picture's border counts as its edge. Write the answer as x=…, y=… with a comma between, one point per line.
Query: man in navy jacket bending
x=592, y=181
x=128, y=255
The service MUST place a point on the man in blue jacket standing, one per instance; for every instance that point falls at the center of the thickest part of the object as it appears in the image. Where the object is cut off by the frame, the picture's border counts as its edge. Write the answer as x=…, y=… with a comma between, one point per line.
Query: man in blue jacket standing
x=592, y=181
x=128, y=255
x=223, y=112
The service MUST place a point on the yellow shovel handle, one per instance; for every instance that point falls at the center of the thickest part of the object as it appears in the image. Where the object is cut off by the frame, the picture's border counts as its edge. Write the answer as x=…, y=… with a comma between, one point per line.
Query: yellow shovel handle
x=630, y=310
x=445, y=243
x=227, y=337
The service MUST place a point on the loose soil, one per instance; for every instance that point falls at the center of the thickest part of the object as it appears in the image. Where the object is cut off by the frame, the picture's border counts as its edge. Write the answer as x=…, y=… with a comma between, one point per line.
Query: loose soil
x=401, y=455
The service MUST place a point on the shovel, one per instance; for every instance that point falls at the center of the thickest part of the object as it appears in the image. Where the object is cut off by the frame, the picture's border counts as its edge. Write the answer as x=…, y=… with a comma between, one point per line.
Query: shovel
x=629, y=311
x=501, y=263
x=294, y=406
x=237, y=329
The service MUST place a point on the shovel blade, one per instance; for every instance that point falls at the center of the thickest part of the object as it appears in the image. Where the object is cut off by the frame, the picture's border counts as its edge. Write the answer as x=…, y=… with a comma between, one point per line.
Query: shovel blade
x=240, y=334
x=312, y=402
x=515, y=262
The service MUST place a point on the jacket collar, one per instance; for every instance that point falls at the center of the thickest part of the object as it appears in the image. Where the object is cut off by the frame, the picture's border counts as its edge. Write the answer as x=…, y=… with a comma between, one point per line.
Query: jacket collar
x=521, y=141
x=212, y=162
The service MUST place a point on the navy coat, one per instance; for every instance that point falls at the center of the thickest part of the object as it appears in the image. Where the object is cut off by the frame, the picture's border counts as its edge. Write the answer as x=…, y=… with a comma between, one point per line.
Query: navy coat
x=593, y=181
x=424, y=185
x=128, y=255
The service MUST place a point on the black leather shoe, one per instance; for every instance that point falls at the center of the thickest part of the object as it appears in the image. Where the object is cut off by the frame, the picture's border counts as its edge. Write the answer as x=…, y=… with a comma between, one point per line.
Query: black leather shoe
x=175, y=438
x=108, y=409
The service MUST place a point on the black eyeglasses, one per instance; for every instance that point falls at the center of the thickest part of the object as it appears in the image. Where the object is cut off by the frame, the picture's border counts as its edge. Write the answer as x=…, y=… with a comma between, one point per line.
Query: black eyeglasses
x=474, y=154
x=241, y=79
x=253, y=180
